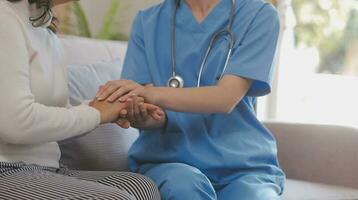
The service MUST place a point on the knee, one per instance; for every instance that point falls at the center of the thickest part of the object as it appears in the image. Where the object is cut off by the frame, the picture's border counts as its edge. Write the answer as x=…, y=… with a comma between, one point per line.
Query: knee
x=184, y=178
x=115, y=194
x=251, y=188
x=180, y=181
x=144, y=187
x=139, y=186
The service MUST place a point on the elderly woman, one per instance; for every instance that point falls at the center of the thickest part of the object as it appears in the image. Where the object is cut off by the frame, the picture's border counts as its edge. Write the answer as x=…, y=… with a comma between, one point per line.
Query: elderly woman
x=35, y=114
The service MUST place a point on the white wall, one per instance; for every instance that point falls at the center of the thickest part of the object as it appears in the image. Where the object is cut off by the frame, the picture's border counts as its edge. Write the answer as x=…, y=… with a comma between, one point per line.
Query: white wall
x=96, y=9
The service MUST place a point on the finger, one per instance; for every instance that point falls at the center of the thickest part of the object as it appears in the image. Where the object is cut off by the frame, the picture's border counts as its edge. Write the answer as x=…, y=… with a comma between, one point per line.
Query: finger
x=130, y=110
x=123, y=123
x=100, y=90
x=155, y=112
x=140, y=99
x=137, y=114
x=117, y=94
x=126, y=125
x=157, y=116
x=143, y=111
x=152, y=107
x=122, y=91
x=129, y=95
x=120, y=122
x=123, y=113
x=124, y=98
x=108, y=91
x=160, y=113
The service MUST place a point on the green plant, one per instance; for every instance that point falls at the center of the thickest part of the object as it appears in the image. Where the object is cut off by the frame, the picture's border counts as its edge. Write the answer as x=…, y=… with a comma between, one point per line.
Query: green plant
x=106, y=30
x=82, y=22
x=76, y=23
x=330, y=26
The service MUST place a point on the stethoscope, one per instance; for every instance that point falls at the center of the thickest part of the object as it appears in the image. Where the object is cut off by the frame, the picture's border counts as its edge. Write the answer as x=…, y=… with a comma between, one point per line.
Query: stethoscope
x=177, y=81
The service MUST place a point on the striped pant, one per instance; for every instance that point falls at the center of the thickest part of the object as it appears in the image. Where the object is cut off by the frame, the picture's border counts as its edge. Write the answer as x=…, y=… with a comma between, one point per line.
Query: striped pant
x=19, y=181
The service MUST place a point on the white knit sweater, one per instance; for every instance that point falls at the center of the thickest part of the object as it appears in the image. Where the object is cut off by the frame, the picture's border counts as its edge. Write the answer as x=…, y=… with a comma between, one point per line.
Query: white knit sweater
x=34, y=109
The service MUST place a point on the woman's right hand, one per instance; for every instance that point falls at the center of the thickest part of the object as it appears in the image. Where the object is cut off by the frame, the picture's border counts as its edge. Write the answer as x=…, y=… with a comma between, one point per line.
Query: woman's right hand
x=110, y=112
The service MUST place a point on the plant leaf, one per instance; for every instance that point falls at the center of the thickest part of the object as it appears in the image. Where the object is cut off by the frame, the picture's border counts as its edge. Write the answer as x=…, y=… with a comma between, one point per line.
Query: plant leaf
x=105, y=32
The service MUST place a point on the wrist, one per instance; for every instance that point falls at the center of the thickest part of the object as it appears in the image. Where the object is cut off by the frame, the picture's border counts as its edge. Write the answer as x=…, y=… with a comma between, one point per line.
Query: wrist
x=152, y=95
x=101, y=117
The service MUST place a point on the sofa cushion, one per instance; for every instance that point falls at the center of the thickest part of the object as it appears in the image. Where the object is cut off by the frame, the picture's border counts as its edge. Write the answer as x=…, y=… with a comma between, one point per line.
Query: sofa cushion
x=106, y=147
x=317, y=153
x=80, y=51
x=302, y=190
x=84, y=80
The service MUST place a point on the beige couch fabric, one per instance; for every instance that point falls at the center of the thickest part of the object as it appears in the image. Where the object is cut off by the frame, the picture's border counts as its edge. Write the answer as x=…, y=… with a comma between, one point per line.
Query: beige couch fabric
x=318, y=153
x=301, y=190
x=82, y=51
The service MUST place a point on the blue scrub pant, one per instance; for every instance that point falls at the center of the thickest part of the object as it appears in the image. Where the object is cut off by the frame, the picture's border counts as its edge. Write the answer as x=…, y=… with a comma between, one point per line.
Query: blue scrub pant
x=178, y=181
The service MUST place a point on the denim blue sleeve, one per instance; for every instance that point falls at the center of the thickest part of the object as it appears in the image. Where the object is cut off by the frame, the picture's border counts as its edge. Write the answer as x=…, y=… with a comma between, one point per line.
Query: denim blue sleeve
x=254, y=56
x=135, y=65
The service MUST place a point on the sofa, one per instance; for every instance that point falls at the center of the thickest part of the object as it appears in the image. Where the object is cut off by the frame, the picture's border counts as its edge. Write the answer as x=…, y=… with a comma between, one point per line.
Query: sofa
x=320, y=161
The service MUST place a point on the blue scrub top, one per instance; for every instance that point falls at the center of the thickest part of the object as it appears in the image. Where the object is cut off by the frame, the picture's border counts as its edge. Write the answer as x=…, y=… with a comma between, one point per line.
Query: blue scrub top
x=222, y=146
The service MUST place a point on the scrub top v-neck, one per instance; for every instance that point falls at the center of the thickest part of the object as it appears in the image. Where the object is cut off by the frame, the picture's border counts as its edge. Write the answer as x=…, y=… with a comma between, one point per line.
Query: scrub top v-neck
x=222, y=146
x=187, y=21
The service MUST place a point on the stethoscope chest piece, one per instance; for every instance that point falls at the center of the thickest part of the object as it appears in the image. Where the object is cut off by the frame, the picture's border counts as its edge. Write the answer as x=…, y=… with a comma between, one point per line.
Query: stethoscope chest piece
x=176, y=82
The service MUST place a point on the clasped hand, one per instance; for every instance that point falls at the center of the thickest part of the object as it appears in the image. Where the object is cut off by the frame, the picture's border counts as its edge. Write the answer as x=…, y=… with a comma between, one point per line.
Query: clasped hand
x=125, y=103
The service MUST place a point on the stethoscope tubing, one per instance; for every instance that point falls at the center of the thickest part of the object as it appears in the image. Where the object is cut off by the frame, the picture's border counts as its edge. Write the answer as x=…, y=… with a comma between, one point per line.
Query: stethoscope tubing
x=208, y=51
x=216, y=35
x=173, y=56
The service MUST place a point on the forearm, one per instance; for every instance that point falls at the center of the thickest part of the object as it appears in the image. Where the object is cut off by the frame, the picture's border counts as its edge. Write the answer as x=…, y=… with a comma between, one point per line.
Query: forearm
x=198, y=100
x=214, y=99
x=221, y=98
x=36, y=123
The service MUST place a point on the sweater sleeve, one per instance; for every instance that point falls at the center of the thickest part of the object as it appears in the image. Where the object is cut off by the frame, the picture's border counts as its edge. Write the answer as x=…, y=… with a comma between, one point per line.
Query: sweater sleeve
x=22, y=119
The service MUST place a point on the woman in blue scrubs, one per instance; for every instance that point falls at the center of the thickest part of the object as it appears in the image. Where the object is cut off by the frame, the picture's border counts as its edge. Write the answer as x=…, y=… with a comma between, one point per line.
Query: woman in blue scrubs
x=210, y=145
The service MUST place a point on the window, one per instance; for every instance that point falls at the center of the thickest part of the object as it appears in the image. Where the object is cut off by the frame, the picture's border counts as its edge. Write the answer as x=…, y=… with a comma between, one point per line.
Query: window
x=318, y=63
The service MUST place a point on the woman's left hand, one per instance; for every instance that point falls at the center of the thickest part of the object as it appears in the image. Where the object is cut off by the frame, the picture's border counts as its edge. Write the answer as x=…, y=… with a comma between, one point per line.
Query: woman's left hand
x=122, y=90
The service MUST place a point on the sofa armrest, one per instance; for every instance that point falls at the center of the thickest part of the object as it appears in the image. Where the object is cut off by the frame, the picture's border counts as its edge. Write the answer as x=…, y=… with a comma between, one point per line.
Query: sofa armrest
x=318, y=153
